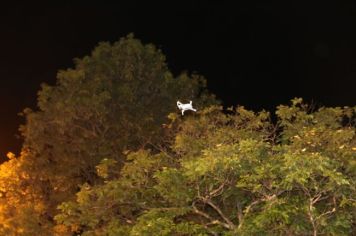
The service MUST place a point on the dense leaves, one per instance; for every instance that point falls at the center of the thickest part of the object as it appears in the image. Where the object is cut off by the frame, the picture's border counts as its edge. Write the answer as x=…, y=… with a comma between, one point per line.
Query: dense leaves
x=114, y=100
x=233, y=174
x=106, y=154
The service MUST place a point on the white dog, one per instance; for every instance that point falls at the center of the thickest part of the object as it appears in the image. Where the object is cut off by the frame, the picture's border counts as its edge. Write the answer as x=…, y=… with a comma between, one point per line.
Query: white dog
x=185, y=107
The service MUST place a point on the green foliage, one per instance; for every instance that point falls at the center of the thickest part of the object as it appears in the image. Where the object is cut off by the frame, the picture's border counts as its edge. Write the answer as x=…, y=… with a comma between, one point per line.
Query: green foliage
x=239, y=174
x=105, y=154
x=116, y=204
x=107, y=168
x=161, y=222
x=115, y=99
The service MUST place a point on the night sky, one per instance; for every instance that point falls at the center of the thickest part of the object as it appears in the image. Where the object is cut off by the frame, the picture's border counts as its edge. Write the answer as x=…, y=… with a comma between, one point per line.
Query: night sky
x=254, y=54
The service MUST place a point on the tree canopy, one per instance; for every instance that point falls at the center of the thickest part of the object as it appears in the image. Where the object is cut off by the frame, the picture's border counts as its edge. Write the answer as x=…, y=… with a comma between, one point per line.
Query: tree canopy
x=107, y=153
x=114, y=100
x=231, y=174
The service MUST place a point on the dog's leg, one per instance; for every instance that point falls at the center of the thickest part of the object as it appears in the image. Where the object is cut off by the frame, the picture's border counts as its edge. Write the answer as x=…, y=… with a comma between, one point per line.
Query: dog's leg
x=182, y=112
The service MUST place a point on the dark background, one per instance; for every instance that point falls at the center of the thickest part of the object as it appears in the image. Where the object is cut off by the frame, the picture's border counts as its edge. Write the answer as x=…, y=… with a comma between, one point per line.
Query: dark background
x=255, y=54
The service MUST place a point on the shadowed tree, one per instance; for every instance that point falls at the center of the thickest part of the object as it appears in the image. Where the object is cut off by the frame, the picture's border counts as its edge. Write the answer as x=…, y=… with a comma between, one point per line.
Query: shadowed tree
x=114, y=100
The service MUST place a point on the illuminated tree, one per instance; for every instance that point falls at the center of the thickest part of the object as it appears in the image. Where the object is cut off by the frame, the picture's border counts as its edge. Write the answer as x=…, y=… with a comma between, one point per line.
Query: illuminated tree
x=231, y=174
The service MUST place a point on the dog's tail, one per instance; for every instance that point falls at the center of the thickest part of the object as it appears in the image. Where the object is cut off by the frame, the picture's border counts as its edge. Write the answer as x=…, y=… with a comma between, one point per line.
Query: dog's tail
x=190, y=102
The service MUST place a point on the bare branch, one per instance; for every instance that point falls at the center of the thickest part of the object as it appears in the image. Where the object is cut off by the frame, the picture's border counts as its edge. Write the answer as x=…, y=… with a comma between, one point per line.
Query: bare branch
x=206, y=216
x=209, y=230
x=217, y=191
x=239, y=212
x=249, y=207
x=328, y=212
x=231, y=225
x=311, y=217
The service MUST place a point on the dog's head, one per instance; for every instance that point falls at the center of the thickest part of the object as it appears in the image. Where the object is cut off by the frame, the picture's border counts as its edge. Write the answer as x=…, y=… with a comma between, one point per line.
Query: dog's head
x=179, y=104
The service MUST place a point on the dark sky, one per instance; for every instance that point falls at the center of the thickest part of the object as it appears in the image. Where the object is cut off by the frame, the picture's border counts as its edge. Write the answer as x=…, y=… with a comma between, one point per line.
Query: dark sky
x=256, y=54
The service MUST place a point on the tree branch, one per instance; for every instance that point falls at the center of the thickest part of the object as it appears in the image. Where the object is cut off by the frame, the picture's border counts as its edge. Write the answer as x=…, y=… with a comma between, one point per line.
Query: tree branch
x=208, y=217
x=230, y=224
x=328, y=212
